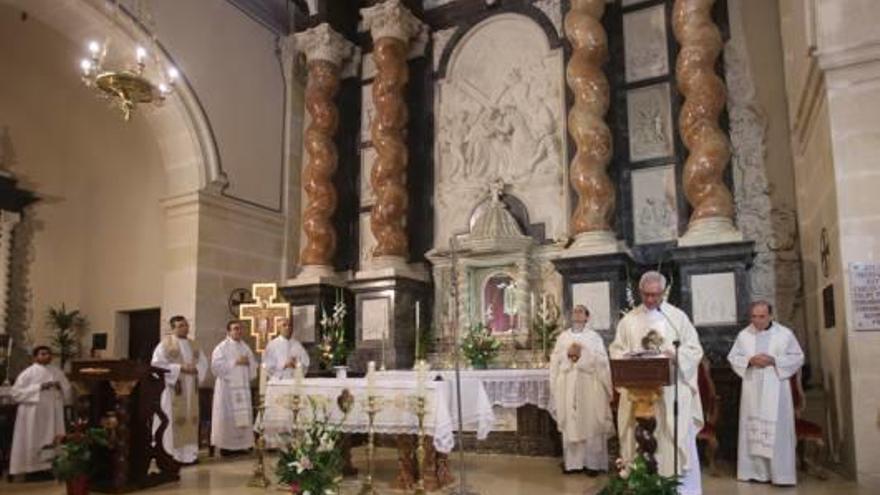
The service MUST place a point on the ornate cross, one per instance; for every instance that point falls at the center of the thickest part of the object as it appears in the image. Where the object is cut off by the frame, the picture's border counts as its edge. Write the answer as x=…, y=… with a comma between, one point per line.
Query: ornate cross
x=264, y=314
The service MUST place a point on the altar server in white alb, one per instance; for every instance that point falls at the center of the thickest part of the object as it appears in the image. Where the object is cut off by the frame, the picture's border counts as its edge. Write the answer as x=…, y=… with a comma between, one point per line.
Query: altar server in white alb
x=187, y=367
x=235, y=366
x=671, y=324
x=580, y=381
x=283, y=353
x=766, y=355
x=40, y=391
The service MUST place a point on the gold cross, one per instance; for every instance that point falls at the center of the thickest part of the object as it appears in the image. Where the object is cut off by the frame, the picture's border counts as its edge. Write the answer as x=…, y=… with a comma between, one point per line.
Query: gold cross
x=264, y=314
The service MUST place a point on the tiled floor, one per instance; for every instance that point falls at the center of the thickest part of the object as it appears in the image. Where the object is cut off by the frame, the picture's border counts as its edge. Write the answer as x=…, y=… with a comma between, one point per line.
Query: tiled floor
x=487, y=475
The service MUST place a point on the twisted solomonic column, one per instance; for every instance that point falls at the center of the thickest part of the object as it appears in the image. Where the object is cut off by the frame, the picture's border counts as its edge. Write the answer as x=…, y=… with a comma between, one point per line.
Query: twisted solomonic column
x=592, y=217
x=326, y=51
x=708, y=146
x=392, y=27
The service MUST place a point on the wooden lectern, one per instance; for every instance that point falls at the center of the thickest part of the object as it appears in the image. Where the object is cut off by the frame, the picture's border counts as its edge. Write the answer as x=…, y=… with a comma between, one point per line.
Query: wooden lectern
x=644, y=379
x=124, y=396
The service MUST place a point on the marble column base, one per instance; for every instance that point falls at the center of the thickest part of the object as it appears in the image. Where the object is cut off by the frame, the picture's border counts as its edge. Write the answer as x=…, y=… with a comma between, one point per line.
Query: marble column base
x=392, y=267
x=713, y=230
x=594, y=243
x=316, y=274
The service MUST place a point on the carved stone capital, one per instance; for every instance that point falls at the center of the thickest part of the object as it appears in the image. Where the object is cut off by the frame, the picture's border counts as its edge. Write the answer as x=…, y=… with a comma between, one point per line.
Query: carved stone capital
x=390, y=19
x=323, y=43
x=291, y=62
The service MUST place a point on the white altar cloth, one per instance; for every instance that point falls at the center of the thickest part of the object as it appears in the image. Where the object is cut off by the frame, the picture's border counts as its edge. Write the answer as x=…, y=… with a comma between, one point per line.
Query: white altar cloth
x=397, y=414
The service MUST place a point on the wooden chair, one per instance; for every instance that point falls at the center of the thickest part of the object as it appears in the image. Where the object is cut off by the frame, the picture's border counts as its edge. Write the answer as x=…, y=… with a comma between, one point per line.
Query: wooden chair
x=810, y=436
x=711, y=411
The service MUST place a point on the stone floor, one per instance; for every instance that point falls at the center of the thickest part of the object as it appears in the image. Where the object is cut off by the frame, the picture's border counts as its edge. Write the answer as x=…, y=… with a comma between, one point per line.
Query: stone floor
x=487, y=475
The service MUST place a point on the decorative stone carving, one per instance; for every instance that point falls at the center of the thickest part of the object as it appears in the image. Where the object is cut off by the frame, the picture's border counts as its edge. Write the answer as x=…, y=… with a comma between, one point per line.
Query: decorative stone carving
x=367, y=112
x=655, y=214
x=714, y=298
x=708, y=145
x=776, y=269
x=553, y=10
x=441, y=39
x=499, y=116
x=392, y=27
x=644, y=43
x=586, y=120
x=368, y=159
x=8, y=221
x=495, y=229
x=325, y=51
x=649, y=117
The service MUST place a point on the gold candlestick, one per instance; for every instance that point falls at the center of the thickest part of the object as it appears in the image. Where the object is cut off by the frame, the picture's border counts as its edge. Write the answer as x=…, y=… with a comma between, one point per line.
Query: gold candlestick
x=420, y=451
x=372, y=409
x=259, y=479
x=295, y=407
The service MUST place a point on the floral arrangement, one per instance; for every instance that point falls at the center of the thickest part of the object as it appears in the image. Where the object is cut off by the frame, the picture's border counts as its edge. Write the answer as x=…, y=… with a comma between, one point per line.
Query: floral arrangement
x=636, y=479
x=545, y=326
x=333, y=347
x=311, y=463
x=74, y=452
x=480, y=347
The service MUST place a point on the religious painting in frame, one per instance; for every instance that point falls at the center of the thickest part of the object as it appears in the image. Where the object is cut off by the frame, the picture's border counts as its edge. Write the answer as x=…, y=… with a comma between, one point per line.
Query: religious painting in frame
x=375, y=317
x=714, y=298
x=596, y=296
x=644, y=44
x=649, y=116
x=303, y=321
x=655, y=212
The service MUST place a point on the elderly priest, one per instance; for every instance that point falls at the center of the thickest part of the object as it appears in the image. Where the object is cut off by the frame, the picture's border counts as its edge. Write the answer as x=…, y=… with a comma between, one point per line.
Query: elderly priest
x=40, y=391
x=670, y=324
x=766, y=355
x=580, y=381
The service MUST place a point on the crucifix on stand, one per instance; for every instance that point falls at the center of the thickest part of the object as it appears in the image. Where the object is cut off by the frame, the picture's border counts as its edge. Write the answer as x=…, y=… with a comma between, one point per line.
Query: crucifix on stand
x=264, y=316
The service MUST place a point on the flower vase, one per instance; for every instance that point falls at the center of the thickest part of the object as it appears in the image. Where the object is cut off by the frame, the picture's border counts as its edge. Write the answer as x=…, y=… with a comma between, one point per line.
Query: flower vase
x=341, y=372
x=78, y=485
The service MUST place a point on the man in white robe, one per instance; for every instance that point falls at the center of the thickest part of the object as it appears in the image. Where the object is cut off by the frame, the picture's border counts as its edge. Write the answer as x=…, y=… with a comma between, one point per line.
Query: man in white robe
x=671, y=324
x=580, y=383
x=283, y=353
x=40, y=391
x=766, y=355
x=187, y=367
x=234, y=365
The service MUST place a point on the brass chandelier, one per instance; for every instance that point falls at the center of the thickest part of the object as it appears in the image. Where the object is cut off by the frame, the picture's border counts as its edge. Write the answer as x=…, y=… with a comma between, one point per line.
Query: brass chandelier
x=128, y=87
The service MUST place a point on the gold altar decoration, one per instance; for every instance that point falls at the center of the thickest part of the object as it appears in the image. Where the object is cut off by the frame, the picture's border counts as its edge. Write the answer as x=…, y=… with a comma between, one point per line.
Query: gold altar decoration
x=391, y=26
x=264, y=314
x=704, y=99
x=586, y=119
x=128, y=87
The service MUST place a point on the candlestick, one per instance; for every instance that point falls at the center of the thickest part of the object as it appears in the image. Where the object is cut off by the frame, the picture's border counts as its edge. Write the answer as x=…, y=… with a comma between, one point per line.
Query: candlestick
x=372, y=408
x=371, y=377
x=421, y=410
x=421, y=376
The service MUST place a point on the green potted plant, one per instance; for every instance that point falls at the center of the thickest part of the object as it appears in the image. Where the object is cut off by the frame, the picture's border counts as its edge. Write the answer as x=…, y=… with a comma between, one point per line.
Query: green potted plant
x=636, y=479
x=479, y=346
x=67, y=326
x=74, y=453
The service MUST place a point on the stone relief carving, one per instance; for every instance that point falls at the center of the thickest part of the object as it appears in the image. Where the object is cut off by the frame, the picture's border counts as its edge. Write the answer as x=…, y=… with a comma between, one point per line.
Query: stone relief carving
x=655, y=214
x=650, y=122
x=644, y=42
x=499, y=116
x=776, y=272
x=553, y=10
x=368, y=110
x=368, y=158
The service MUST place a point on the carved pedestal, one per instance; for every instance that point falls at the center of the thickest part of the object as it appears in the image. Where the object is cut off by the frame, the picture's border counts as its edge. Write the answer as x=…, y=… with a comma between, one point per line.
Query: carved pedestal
x=386, y=322
x=643, y=400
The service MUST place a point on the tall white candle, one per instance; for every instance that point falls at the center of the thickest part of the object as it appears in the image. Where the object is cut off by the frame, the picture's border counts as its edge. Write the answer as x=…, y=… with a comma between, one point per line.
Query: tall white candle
x=371, y=378
x=418, y=331
x=421, y=375
x=297, y=379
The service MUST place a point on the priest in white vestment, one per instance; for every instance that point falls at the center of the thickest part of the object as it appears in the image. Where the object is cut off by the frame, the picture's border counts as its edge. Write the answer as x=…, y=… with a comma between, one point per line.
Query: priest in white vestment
x=234, y=365
x=580, y=383
x=671, y=324
x=766, y=355
x=40, y=391
x=187, y=367
x=283, y=353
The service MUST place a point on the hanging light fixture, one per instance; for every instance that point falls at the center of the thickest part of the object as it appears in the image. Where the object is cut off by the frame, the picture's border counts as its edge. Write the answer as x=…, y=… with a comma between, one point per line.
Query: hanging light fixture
x=128, y=87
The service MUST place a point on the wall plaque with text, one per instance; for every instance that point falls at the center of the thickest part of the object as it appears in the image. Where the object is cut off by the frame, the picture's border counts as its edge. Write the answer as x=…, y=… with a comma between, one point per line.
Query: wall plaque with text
x=864, y=289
